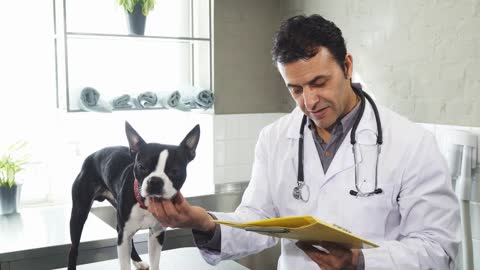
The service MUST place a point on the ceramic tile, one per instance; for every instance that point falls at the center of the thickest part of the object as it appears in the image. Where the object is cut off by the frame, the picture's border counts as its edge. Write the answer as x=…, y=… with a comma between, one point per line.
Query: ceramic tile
x=220, y=153
x=239, y=152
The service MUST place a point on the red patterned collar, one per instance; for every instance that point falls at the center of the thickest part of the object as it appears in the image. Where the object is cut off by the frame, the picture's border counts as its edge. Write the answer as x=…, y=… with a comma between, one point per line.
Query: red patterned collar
x=137, y=195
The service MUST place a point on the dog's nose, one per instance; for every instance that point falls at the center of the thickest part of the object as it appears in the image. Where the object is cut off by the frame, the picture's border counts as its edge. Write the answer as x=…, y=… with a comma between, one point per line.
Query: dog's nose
x=155, y=186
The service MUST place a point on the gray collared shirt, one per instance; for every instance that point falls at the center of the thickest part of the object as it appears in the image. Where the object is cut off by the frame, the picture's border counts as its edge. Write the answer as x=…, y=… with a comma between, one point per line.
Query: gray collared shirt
x=327, y=151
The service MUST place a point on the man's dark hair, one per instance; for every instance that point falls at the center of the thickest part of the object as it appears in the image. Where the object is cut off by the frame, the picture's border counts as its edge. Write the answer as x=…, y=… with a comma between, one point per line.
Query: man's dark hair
x=299, y=38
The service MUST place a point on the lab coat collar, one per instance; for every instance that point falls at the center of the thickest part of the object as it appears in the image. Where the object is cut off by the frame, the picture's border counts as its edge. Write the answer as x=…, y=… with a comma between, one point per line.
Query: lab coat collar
x=366, y=123
x=293, y=131
x=343, y=159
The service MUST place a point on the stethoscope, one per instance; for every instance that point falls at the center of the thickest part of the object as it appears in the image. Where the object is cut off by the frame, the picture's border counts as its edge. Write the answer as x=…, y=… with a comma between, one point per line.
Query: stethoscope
x=302, y=190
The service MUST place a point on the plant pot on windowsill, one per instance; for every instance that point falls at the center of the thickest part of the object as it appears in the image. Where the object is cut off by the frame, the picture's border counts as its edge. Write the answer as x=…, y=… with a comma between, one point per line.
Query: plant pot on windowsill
x=136, y=21
x=10, y=199
x=10, y=188
x=137, y=11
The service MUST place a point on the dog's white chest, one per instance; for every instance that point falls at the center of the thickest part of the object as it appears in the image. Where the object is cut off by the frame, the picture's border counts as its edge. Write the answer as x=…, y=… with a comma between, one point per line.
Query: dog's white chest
x=141, y=219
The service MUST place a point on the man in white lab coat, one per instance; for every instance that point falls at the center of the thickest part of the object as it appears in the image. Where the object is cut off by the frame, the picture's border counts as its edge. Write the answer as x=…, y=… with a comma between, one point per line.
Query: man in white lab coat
x=414, y=217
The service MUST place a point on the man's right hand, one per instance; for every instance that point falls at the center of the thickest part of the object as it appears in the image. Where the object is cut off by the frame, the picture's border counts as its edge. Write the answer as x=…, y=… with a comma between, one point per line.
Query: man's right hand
x=178, y=213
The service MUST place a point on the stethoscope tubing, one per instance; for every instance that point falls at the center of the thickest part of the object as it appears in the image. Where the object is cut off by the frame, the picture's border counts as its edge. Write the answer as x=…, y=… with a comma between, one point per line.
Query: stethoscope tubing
x=297, y=192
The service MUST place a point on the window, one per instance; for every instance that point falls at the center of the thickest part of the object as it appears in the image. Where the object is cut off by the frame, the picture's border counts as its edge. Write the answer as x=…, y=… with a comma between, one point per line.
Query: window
x=46, y=66
x=27, y=87
x=174, y=53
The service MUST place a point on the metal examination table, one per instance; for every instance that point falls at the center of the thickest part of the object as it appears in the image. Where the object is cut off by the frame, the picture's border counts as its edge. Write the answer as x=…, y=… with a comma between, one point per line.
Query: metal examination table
x=178, y=259
x=39, y=238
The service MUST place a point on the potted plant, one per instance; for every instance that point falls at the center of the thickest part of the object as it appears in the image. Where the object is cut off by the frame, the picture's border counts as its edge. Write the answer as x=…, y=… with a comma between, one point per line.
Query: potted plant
x=137, y=11
x=10, y=188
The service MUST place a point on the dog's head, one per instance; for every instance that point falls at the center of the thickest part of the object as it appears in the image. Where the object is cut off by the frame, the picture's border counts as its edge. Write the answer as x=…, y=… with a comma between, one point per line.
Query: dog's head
x=161, y=169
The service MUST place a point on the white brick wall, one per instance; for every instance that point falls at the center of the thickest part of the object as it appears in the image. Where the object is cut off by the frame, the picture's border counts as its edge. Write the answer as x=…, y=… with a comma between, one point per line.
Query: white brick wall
x=235, y=137
x=420, y=58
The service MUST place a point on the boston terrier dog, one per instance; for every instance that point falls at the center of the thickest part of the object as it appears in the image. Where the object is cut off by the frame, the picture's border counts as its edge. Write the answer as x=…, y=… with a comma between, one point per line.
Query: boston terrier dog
x=126, y=177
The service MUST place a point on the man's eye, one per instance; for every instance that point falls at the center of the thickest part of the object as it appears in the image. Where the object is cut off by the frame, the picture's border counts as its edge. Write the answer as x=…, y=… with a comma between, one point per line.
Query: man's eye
x=296, y=91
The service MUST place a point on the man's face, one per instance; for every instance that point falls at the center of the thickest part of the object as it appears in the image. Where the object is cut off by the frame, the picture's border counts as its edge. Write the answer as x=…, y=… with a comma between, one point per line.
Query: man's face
x=320, y=86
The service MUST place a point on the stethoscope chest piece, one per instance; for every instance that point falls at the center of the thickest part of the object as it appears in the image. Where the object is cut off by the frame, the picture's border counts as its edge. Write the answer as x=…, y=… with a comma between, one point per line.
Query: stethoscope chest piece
x=301, y=192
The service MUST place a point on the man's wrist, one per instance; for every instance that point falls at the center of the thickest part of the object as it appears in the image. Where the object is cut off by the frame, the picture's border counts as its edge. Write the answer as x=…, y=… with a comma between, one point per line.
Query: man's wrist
x=207, y=225
x=360, y=261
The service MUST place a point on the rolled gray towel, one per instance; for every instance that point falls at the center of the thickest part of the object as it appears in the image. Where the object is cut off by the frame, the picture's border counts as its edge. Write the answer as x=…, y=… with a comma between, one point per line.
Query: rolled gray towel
x=147, y=99
x=169, y=99
x=90, y=101
x=122, y=102
x=198, y=98
x=204, y=98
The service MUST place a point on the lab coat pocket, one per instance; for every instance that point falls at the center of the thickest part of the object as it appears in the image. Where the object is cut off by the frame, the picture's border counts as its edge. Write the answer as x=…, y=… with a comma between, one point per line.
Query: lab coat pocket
x=368, y=215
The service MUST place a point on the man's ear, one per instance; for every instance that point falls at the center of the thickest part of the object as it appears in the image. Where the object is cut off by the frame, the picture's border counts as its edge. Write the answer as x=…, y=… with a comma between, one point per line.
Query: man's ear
x=134, y=140
x=190, y=142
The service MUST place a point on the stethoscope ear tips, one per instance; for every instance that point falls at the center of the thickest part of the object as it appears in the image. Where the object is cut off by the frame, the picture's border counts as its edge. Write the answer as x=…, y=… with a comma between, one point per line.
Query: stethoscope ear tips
x=353, y=192
x=378, y=191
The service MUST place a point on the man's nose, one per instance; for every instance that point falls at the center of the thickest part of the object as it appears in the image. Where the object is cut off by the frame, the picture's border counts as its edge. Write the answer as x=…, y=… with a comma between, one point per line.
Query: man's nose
x=310, y=97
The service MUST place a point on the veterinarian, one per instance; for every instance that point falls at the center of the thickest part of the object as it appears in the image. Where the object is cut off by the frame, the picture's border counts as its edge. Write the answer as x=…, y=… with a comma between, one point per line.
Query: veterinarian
x=387, y=182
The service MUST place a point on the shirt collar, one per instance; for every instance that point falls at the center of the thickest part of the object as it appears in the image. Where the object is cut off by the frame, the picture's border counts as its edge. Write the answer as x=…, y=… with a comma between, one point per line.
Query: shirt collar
x=342, y=125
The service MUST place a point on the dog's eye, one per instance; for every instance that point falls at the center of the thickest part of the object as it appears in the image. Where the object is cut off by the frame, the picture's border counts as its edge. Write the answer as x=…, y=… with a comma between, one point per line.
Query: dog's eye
x=141, y=167
x=174, y=173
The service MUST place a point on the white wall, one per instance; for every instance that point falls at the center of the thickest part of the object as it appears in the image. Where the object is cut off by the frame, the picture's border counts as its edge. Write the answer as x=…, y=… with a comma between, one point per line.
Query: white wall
x=235, y=138
x=420, y=58
x=59, y=147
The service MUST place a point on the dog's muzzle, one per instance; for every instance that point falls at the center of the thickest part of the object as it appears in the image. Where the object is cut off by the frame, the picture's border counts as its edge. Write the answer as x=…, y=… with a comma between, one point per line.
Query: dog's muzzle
x=155, y=186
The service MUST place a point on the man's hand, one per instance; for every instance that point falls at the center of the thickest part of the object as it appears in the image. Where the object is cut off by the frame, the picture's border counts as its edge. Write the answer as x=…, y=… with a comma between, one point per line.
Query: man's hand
x=338, y=258
x=178, y=213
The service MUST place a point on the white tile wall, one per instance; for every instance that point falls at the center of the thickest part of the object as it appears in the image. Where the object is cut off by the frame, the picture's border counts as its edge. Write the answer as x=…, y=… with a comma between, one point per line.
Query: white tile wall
x=80, y=134
x=235, y=137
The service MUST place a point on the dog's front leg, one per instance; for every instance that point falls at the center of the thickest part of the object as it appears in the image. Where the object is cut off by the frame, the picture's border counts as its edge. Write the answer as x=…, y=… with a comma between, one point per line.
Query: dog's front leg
x=124, y=248
x=155, y=242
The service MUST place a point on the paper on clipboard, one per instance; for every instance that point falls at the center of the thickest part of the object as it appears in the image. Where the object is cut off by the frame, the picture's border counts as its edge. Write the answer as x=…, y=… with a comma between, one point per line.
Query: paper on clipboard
x=305, y=228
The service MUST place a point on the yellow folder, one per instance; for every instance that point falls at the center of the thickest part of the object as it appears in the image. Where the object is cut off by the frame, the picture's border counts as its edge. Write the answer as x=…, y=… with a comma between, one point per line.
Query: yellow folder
x=305, y=228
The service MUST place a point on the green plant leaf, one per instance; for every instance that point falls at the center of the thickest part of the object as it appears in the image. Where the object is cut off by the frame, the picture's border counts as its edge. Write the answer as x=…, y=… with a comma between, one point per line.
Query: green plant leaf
x=10, y=165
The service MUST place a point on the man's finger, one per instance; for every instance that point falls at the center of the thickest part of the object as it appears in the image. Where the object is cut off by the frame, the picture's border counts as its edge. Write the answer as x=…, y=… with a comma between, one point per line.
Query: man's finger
x=318, y=256
x=178, y=199
x=311, y=250
x=158, y=211
x=170, y=209
x=330, y=245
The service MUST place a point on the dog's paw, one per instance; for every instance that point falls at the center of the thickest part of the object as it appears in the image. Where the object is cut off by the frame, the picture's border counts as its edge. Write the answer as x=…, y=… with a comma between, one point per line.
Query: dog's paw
x=141, y=265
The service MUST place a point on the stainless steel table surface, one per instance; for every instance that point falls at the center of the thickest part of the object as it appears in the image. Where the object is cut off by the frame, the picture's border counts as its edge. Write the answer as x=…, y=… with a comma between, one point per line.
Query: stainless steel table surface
x=46, y=228
x=178, y=259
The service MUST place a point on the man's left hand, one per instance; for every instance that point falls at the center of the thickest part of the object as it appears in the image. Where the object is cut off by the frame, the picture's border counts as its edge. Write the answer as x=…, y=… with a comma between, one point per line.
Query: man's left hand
x=337, y=258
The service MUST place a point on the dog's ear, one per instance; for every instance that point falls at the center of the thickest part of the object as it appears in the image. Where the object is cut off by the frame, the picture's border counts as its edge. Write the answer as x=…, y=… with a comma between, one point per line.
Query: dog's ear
x=190, y=142
x=134, y=140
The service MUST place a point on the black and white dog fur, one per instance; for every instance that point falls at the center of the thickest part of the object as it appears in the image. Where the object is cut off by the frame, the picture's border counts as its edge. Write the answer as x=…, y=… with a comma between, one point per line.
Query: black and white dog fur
x=110, y=173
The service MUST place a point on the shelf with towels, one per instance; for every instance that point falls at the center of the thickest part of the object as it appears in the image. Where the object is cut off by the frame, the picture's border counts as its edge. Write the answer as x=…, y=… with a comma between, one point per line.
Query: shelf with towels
x=174, y=54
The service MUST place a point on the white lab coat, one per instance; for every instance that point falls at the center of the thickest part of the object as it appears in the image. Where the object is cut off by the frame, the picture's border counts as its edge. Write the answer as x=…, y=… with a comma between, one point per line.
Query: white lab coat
x=415, y=220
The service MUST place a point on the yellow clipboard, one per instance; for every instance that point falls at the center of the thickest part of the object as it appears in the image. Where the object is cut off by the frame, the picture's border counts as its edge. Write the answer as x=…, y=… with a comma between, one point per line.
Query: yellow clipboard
x=304, y=228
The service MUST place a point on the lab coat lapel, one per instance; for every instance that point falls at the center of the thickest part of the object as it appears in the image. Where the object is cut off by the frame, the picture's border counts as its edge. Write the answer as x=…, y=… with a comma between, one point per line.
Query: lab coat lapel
x=344, y=159
x=313, y=165
x=313, y=170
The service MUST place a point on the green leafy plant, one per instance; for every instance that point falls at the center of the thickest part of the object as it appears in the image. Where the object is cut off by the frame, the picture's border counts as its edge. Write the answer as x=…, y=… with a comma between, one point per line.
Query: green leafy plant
x=129, y=5
x=10, y=164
